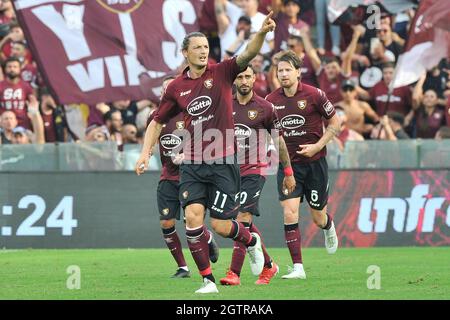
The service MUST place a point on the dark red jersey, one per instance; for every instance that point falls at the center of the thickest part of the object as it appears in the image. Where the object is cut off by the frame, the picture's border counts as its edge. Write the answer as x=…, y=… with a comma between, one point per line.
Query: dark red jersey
x=49, y=127
x=332, y=88
x=301, y=118
x=252, y=124
x=206, y=104
x=169, y=144
x=400, y=100
x=14, y=97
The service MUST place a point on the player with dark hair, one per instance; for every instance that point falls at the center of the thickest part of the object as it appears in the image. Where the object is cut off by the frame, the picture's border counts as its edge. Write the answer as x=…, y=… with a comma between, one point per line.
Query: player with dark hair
x=254, y=117
x=209, y=174
x=301, y=109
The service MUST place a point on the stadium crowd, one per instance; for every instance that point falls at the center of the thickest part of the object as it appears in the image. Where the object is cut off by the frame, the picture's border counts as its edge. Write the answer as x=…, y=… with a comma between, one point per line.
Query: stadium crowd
x=351, y=62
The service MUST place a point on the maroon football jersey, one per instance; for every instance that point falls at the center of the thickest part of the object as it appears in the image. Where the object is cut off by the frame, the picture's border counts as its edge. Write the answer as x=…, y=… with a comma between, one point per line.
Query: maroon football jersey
x=169, y=143
x=14, y=97
x=428, y=125
x=261, y=85
x=252, y=124
x=206, y=103
x=400, y=100
x=29, y=74
x=308, y=73
x=332, y=89
x=301, y=118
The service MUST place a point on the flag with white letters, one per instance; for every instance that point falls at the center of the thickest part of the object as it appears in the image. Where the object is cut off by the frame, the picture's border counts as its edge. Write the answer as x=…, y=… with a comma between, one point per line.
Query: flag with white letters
x=92, y=51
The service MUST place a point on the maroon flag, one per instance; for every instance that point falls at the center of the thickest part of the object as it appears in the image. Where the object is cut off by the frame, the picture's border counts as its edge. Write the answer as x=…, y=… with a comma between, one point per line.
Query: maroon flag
x=428, y=42
x=94, y=51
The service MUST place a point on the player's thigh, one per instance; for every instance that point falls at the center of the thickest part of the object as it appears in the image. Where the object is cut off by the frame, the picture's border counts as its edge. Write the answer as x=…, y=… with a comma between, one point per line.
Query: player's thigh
x=223, y=191
x=316, y=184
x=167, y=200
x=193, y=186
x=251, y=188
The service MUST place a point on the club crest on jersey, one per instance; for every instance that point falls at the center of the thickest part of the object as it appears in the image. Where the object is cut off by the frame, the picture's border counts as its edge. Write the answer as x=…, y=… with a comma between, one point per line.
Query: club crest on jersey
x=185, y=194
x=208, y=83
x=180, y=125
x=165, y=211
x=120, y=6
x=252, y=114
x=301, y=104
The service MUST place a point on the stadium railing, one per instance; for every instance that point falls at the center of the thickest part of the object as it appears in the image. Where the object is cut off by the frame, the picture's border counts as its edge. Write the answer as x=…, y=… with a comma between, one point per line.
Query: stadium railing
x=363, y=155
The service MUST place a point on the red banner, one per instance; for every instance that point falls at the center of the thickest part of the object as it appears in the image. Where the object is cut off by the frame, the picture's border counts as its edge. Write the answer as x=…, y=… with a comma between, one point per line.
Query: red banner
x=106, y=50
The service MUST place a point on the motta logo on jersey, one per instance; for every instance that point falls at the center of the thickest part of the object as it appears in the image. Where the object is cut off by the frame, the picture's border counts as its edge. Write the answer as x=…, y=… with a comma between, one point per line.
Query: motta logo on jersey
x=170, y=141
x=121, y=6
x=241, y=131
x=292, y=121
x=199, y=105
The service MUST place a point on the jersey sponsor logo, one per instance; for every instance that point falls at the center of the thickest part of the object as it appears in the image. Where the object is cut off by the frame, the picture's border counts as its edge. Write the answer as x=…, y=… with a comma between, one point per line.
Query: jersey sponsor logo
x=328, y=107
x=292, y=121
x=170, y=141
x=252, y=114
x=185, y=93
x=120, y=6
x=199, y=105
x=180, y=125
x=301, y=104
x=241, y=131
x=208, y=83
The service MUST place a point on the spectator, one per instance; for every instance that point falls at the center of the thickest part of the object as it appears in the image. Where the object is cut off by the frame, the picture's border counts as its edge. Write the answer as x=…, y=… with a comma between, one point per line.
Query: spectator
x=261, y=85
x=295, y=43
x=250, y=8
x=129, y=133
x=113, y=122
x=400, y=100
x=356, y=111
x=331, y=75
x=286, y=18
x=8, y=122
x=97, y=133
x=390, y=43
x=15, y=34
x=230, y=31
x=130, y=109
x=443, y=133
x=29, y=71
x=429, y=116
x=15, y=93
x=321, y=8
x=390, y=127
x=7, y=13
x=56, y=127
x=437, y=79
x=346, y=133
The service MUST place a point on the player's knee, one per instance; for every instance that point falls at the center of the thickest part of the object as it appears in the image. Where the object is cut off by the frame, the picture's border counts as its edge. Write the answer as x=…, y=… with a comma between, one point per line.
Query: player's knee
x=290, y=214
x=319, y=217
x=167, y=224
x=244, y=217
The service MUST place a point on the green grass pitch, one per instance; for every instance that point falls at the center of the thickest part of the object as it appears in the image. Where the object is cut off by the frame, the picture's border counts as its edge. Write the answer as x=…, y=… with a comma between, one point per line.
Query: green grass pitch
x=406, y=273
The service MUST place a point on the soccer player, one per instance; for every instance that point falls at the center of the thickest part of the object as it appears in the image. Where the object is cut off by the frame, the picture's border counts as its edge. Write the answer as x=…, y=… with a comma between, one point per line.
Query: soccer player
x=253, y=118
x=301, y=109
x=168, y=189
x=209, y=175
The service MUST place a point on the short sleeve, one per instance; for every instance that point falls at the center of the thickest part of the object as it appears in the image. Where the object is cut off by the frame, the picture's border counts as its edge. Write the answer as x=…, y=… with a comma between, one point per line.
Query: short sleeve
x=324, y=106
x=168, y=108
x=229, y=70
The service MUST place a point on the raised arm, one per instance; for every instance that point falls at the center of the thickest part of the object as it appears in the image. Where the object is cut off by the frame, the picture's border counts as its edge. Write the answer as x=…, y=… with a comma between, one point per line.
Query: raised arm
x=310, y=50
x=36, y=119
x=347, y=56
x=254, y=46
x=418, y=92
x=221, y=15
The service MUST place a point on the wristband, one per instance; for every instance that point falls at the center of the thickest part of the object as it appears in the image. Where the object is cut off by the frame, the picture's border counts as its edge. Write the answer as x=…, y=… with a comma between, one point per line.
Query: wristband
x=288, y=171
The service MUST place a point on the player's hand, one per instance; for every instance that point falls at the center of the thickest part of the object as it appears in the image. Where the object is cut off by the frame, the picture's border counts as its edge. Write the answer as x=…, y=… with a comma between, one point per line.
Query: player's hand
x=308, y=150
x=32, y=106
x=268, y=24
x=178, y=158
x=288, y=185
x=142, y=164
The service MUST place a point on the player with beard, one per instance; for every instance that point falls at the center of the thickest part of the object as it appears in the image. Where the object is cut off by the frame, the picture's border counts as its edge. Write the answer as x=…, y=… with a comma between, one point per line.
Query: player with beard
x=301, y=109
x=254, y=117
x=209, y=175
x=15, y=93
x=168, y=189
